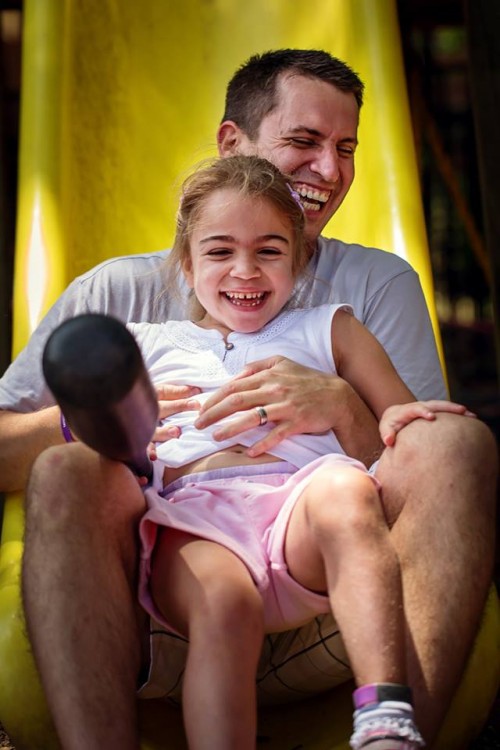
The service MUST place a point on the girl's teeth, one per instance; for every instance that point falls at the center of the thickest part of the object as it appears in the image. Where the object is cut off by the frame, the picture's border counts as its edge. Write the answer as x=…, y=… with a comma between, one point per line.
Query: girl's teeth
x=254, y=298
x=243, y=295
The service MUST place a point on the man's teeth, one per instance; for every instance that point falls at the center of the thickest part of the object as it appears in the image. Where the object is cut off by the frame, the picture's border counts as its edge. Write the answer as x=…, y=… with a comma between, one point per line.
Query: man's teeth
x=253, y=297
x=321, y=196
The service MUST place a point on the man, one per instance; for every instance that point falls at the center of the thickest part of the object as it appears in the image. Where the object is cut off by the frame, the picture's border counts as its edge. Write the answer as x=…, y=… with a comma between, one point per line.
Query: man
x=299, y=109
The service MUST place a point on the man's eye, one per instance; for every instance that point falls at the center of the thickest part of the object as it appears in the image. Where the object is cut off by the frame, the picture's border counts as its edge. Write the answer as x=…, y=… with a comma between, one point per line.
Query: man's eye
x=302, y=142
x=346, y=150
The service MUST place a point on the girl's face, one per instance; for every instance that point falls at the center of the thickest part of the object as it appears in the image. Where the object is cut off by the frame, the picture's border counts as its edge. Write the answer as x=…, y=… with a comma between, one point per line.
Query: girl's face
x=240, y=264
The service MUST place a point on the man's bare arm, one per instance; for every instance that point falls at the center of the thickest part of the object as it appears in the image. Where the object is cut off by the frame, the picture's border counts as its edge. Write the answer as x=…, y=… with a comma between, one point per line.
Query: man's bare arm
x=298, y=400
x=22, y=438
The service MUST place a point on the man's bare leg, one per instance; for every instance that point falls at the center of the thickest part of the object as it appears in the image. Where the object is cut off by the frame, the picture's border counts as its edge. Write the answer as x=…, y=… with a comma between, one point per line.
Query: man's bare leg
x=443, y=475
x=78, y=580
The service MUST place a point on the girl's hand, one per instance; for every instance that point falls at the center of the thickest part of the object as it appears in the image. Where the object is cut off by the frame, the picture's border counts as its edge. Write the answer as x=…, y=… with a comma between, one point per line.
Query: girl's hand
x=396, y=417
x=173, y=399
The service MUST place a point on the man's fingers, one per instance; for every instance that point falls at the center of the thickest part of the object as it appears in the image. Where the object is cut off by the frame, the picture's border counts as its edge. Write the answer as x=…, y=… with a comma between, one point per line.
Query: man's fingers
x=271, y=440
x=252, y=377
x=261, y=365
x=247, y=421
x=230, y=404
x=235, y=395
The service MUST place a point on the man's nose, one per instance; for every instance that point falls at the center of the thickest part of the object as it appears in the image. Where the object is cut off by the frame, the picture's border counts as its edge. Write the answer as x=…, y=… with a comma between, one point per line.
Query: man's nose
x=327, y=165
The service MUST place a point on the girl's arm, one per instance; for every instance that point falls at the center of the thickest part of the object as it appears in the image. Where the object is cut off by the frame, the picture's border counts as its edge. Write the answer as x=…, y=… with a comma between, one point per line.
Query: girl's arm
x=363, y=362
x=396, y=417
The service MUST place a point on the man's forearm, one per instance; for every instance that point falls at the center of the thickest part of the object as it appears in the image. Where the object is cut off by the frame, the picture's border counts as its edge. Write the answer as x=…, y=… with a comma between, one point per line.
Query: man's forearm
x=356, y=427
x=22, y=438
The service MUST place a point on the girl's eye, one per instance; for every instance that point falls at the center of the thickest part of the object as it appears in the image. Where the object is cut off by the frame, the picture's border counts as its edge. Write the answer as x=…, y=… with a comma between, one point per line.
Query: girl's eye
x=272, y=251
x=219, y=252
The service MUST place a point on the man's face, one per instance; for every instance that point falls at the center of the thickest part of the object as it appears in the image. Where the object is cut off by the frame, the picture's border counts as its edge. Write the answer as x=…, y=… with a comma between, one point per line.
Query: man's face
x=311, y=135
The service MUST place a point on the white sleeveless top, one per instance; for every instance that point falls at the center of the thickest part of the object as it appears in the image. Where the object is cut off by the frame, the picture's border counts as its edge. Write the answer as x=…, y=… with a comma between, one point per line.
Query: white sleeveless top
x=182, y=353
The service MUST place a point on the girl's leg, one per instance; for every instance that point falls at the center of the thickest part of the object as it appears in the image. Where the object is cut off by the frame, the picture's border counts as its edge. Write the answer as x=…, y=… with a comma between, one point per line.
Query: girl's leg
x=338, y=541
x=205, y=592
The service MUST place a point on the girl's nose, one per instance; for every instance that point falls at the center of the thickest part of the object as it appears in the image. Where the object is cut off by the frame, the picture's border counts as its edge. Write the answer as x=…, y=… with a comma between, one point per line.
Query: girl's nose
x=245, y=268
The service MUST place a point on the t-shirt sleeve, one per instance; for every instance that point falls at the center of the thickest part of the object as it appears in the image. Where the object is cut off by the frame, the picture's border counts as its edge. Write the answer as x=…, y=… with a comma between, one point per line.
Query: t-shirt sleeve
x=23, y=387
x=129, y=288
x=387, y=297
x=398, y=317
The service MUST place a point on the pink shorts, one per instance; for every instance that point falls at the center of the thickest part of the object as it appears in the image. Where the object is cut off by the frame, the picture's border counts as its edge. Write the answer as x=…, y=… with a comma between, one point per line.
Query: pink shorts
x=247, y=510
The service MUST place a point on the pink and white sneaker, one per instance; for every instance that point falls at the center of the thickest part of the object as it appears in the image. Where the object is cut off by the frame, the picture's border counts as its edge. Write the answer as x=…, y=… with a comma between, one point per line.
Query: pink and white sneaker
x=383, y=719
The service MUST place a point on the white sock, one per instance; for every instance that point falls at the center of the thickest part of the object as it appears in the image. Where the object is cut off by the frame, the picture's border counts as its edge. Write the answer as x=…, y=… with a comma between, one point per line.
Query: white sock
x=391, y=718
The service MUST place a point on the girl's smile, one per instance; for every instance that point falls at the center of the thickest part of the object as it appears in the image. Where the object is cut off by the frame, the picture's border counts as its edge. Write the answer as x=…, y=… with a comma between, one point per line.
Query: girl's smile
x=240, y=264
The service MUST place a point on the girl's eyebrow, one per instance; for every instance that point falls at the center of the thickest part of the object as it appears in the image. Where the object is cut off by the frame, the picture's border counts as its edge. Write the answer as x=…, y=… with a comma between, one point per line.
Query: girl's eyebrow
x=230, y=238
x=218, y=238
x=279, y=237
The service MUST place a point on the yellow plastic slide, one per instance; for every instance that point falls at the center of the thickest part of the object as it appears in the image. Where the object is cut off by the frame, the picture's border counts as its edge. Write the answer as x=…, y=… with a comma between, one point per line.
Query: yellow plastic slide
x=119, y=99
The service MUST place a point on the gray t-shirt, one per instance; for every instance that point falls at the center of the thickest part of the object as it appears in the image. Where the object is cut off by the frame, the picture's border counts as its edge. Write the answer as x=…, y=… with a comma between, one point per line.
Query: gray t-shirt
x=382, y=288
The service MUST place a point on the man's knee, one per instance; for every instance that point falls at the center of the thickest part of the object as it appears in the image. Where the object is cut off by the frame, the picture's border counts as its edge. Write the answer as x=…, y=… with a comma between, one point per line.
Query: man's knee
x=450, y=438
x=452, y=456
x=70, y=478
x=54, y=468
x=57, y=463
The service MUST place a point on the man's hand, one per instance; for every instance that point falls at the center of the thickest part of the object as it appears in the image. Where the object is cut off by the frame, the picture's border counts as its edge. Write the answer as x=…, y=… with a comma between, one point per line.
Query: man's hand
x=297, y=399
x=396, y=417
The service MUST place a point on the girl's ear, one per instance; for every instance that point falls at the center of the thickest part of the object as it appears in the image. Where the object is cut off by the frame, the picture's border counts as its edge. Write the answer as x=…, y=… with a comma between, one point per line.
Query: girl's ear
x=231, y=140
x=187, y=270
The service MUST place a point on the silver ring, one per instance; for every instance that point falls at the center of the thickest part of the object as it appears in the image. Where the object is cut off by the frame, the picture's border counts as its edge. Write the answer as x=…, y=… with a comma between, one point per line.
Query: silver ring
x=262, y=415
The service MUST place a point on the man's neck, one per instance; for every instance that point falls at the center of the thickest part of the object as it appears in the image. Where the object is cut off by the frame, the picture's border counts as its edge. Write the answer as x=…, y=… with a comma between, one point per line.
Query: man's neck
x=311, y=247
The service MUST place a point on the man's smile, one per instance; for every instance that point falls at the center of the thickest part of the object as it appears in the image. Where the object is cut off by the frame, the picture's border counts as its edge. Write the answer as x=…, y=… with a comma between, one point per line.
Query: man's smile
x=312, y=199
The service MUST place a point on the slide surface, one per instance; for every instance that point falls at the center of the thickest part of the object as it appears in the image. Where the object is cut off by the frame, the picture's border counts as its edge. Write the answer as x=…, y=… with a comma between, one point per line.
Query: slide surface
x=119, y=101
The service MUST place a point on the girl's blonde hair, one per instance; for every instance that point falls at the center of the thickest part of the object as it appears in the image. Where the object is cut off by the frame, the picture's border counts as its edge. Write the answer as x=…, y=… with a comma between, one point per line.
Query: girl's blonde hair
x=250, y=176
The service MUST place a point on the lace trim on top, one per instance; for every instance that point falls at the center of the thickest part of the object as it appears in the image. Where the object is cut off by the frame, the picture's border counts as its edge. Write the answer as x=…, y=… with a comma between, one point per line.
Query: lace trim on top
x=192, y=338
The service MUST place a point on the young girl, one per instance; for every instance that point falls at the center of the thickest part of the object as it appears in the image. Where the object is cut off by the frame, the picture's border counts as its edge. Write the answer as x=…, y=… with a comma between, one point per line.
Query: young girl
x=234, y=546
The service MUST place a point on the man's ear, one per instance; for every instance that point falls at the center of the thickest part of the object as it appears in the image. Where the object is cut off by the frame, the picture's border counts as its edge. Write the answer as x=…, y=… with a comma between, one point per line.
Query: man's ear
x=230, y=139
